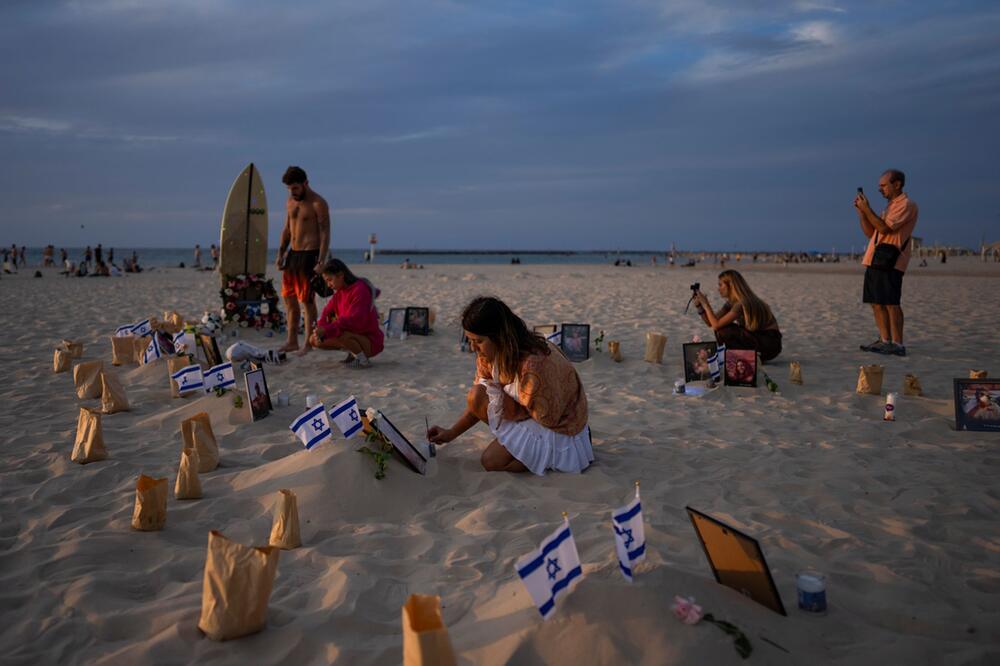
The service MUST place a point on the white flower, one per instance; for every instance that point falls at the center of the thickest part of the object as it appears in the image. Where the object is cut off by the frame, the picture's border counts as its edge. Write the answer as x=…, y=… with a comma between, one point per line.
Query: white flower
x=265, y=308
x=229, y=292
x=243, y=323
x=370, y=413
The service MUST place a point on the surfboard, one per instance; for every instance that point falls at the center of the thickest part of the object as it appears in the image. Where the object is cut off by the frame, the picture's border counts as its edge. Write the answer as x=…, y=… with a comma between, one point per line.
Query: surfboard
x=243, y=243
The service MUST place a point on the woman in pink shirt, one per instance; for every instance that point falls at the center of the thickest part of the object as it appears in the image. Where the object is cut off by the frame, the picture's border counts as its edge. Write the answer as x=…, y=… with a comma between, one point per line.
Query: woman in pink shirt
x=349, y=321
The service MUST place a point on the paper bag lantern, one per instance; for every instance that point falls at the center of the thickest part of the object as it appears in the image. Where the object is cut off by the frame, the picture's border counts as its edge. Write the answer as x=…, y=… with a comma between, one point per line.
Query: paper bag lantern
x=122, y=350
x=172, y=322
x=75, y=349
x=870, y=379
x=654, y=347
x=285, y=530
x=911, y=385
x=977, y=374
x=61, y=360
x=175, y=363
x=150, y=513
x=188, y=485
x=236, y=588
x=113, y=398
x=89, y=444
x=615, y=350
x=139, y=344
x=87, y=378
x=198, y=435
x=425, y=638
x=795, y=372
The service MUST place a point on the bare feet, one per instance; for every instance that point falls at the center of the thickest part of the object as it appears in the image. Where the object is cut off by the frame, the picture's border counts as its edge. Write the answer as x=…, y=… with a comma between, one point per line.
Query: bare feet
x=305, y=350
x=289, y=347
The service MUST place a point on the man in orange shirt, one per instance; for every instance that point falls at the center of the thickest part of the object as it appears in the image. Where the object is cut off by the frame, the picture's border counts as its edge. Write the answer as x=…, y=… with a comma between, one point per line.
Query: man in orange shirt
x=884, y=284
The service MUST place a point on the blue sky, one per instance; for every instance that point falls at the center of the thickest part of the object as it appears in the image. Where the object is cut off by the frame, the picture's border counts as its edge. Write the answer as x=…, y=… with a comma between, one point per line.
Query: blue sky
x=570, y=125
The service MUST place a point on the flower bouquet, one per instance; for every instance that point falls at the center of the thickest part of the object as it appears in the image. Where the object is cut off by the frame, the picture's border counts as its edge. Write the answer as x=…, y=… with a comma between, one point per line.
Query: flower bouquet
x=250, y=301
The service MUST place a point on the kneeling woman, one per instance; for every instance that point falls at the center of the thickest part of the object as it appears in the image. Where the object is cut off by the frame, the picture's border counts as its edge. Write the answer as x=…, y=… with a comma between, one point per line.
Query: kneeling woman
x=528, y=394
x=349, y=321
x=744, y=321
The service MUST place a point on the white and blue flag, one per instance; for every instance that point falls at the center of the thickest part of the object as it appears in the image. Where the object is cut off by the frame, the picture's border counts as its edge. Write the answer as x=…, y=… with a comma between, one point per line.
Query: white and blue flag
x=347, y=417
x=219, y=377
x=555, y=338
x=552, y=570
x=189, y=378
x=184, y=342
x=630, y=537
x=124, y=331
x=152, y=351
x=716, y=362
x=312, y=427
x=142, y=328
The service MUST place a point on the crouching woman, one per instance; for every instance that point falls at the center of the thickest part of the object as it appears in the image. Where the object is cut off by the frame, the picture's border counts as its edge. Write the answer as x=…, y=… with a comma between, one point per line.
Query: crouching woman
x=526, y=392
x=349, y=321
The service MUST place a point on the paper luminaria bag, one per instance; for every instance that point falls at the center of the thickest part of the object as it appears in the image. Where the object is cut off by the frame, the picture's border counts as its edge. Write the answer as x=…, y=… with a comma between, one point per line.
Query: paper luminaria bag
x=911, y=385
x=795, y=372
x=285, y=528
x=236, y=588
x=122, y=350
x=198, y=435
x=61, y=360
x=89, y=444
x=150, y=512
x=615, y=350
x=87, y=378
x=113, y=398
x=870, y=379
x=75, y=349
x=425, y=638
x=139, y=344
x=175, y=363
x=655, y=342
x=188, y=485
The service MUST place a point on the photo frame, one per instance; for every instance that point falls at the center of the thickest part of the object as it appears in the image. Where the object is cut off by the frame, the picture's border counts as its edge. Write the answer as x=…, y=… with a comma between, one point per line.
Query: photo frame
x=396, y=323
x=695, y=356
x=257, y=394
x=736, y=559
x=545, y=330
x=977, y=405
x=741, y=367
x=166, y=342
x=209, y=348
x=410, y=453
x=418, y=321
x=575, y=341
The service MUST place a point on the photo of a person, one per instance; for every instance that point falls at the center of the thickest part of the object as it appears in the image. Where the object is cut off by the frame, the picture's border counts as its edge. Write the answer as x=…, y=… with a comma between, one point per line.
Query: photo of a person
x=575, y=341
x=397, y=322
x=417, y=321
x=977, y=405
x=696, y=355
x=741, y=367
x=257, y=394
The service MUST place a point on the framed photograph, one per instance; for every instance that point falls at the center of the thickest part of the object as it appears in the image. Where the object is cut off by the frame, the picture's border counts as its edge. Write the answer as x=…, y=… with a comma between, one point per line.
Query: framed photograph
x=418, y=321
x=464, y=343
x=545, y=330
x=575, y=342
x=741, y=367
x=257, y=394
x=696, y=355
x=736, y=560
x=166, y=342
x=209, y=349
x=397, y=322
x=410, y=453
x=977, y=404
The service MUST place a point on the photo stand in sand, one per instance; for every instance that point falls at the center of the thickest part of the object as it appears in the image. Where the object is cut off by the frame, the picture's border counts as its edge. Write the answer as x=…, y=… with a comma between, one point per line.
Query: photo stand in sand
x=396, y=323
x=575, y=341
x=736, y=560
x=411, y=454
x=977, y=404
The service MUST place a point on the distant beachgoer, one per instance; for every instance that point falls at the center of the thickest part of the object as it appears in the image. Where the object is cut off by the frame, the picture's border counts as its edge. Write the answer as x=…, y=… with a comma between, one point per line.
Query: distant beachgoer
x=63, y=256
x=88, y=254
x=98, y=254
x=307, y=234
x=350, y=320
x=744, y=321
x=883, y=287
x=47, y=255
x=215, y=256
x=197, y=255
x=111, y=256
x=526, y=391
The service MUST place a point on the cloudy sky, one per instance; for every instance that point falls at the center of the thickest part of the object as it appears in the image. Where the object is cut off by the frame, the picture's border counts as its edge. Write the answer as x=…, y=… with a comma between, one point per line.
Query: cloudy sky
x=582, y=124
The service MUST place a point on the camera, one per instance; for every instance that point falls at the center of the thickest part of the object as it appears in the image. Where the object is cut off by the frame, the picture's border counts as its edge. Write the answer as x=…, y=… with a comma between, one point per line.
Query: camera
x=695, y=287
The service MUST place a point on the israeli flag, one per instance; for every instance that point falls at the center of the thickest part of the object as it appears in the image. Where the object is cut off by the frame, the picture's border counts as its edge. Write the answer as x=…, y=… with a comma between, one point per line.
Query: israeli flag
x=630, y=538
x=219, y=377
x=152, y=352
x=347, y=417
x=716, y=362
x=552, y=570
x=184, y=343
x=188, y=379
x=312, y=427
x=555, y=338
x=142, y=328
x=124, y=331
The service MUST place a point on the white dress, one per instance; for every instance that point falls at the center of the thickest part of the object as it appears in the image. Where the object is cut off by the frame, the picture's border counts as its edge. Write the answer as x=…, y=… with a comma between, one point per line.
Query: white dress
x=534, y=445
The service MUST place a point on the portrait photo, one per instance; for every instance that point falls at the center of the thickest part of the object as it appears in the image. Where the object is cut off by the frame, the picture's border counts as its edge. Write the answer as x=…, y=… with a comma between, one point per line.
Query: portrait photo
x=257, y=394
x=741, y=367
x=418, y=321
x=545, y=330
x=977, y=404
x=696, y=355
x=397, y=322
x=575, y=343
x=209, y=348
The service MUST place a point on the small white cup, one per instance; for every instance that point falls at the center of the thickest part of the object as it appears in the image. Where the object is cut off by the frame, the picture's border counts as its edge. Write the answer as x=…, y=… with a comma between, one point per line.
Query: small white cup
x=311, y=401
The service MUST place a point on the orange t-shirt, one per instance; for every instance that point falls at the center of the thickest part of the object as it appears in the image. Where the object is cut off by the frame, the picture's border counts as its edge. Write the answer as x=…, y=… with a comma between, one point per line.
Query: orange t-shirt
x=901, y=217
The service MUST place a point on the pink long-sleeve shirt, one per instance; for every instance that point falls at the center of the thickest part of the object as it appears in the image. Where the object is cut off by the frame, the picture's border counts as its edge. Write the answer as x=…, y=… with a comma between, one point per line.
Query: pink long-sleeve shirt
x=351, y=310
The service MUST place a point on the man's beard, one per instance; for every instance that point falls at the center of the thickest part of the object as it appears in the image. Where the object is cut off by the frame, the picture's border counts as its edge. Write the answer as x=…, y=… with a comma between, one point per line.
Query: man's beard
x=299, y=197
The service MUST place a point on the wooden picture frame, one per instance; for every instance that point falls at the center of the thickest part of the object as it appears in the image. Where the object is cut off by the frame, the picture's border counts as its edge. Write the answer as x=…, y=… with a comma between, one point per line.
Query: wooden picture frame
x=977, y=404
x=209, y=347
x=575, y=341
x=740, y=367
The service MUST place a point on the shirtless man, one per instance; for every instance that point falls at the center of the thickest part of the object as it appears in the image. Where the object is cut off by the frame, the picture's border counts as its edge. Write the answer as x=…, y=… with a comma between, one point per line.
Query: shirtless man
x=307, y=231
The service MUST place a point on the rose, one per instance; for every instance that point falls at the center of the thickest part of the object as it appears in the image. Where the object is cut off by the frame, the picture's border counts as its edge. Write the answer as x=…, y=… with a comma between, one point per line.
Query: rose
x=243, y=324
x=229, y=292
x=686, y=610
x=370, y=414
x=230, y=305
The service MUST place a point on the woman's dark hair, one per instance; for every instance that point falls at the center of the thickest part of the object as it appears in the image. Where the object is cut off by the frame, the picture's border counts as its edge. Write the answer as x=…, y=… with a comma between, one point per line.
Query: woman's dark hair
x=293, y=175
x=490, y=317
x=334, y=266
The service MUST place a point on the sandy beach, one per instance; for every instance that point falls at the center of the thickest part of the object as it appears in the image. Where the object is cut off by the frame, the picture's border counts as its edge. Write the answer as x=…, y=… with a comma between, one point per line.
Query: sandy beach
x=901, y=517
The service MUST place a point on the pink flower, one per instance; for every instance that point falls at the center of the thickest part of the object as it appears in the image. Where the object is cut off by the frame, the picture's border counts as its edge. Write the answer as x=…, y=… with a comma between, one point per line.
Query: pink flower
x=696, y=338
x=686, y=610
x=230, y=305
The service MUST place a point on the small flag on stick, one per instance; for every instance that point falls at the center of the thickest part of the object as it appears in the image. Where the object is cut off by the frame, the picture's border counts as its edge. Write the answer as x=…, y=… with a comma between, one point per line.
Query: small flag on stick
x=551, y=570
x=312, y=427
x=630, y=537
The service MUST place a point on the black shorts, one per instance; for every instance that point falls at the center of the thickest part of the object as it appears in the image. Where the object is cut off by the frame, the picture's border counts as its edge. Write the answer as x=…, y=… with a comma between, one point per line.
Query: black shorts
x=882, y=287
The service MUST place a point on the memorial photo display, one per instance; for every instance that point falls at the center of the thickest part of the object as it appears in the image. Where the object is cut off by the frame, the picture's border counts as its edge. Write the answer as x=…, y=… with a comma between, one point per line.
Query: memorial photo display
x=977, y=404
x=575, y=342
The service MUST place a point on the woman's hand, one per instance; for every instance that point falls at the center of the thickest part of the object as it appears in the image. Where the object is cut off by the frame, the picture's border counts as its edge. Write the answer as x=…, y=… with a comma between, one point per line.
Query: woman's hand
x=438, y=435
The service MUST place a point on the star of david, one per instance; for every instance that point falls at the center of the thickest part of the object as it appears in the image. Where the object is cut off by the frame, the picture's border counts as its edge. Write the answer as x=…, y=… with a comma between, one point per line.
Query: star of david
x=317, y=425
x=354, y=415
x=552, y=567
x=184, y=381
x=627, y=533
x=219, y=376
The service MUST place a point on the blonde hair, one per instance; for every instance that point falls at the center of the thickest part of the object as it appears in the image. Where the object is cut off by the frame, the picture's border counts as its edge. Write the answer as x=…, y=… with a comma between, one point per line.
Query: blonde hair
x=756, y=313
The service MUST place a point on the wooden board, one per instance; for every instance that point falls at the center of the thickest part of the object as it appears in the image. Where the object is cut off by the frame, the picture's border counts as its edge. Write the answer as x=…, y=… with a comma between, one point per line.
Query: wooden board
x=243, y=243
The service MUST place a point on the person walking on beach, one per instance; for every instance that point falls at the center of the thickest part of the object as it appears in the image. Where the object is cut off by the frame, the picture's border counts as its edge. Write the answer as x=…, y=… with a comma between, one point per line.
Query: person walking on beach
x=886, y=258
x=304, y=245
x=197, y=255
x=215, y=257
